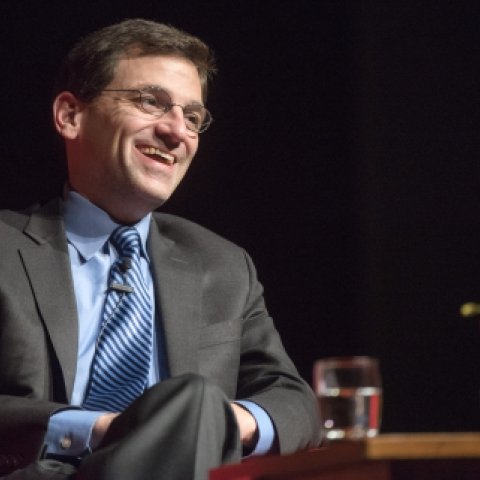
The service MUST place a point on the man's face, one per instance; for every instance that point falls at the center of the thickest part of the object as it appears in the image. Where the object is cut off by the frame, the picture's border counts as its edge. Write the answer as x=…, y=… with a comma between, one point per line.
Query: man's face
x=125, y=160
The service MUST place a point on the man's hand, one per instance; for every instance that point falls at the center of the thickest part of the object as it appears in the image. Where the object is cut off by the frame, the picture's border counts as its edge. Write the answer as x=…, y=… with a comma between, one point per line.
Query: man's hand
x=100, y=428
x=247, y=426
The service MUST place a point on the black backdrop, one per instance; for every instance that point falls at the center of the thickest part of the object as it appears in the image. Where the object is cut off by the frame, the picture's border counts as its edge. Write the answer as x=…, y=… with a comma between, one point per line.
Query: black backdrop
x=343, y=157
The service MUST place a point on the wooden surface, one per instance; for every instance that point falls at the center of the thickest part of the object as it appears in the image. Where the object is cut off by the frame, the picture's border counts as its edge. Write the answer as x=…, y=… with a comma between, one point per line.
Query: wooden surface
x=423, y=445
x=377, y=457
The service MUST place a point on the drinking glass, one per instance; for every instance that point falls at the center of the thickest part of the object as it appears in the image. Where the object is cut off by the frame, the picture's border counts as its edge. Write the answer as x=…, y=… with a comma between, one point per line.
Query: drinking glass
x=349, y=392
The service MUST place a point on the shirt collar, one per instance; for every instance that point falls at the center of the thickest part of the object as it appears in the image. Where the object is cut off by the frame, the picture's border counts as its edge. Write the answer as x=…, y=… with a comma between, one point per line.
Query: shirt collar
x=88, y=227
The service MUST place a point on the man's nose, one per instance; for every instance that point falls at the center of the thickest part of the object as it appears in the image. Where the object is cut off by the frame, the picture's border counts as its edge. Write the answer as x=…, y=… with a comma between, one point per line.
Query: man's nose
x=172, y=123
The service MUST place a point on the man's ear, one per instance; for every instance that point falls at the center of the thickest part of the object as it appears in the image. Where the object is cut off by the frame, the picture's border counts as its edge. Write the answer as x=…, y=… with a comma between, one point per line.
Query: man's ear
x=67, y=111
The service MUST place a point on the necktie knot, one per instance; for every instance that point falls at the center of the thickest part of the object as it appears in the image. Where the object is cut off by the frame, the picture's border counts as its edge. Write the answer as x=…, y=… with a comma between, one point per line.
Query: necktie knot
x=127, y=241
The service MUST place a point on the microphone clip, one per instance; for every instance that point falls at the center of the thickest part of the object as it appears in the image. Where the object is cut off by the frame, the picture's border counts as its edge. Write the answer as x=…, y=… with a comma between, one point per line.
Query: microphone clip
x=118, y=287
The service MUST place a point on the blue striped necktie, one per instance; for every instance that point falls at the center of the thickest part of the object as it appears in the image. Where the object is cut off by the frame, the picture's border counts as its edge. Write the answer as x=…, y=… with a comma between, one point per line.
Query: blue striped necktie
x=124, y=345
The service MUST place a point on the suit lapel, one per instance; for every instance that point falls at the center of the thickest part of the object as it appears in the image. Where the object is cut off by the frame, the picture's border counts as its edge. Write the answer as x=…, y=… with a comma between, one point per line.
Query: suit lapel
x=48, y=268
x=177, y=281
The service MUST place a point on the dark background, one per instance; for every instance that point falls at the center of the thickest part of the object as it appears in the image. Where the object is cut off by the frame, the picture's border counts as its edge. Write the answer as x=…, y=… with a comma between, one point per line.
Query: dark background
x=343, y=157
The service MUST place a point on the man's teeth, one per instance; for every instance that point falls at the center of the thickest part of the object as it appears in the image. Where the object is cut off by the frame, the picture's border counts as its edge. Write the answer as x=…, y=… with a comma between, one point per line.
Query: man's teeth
x=155, y=151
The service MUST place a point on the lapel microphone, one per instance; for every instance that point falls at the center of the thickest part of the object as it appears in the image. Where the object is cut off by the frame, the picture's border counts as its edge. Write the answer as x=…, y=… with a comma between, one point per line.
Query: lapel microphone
x=125, y=265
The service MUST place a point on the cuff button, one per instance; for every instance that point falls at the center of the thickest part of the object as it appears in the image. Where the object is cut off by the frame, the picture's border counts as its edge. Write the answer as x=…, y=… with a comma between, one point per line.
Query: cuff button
x=65, y=442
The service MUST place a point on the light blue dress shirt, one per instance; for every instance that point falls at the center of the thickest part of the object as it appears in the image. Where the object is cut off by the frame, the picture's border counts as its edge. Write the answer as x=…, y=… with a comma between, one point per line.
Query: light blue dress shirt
x=88, y=230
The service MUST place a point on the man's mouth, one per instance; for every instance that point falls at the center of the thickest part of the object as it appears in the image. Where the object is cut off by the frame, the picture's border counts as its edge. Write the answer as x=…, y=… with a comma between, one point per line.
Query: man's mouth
x=155, y=152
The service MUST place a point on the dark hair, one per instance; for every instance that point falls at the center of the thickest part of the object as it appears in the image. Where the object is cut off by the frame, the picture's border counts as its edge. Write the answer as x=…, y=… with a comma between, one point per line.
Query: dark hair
x=90, y=66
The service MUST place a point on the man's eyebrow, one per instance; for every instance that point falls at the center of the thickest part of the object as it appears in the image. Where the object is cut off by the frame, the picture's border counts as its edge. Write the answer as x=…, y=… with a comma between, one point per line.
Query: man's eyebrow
x=147, y=86
x=154, y=87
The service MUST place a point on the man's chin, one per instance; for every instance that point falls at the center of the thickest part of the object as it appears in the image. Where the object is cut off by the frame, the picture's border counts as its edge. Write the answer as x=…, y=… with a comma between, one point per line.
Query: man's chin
x=154, y=200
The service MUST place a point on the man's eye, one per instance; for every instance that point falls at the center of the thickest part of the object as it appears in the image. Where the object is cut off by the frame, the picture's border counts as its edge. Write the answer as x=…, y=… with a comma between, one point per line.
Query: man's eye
x=149, y=101
x=193, y=117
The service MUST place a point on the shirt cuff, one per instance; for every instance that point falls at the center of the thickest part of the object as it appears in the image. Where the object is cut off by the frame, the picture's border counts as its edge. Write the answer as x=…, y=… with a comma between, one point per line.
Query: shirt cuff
x=266, y=431
x=69, y=432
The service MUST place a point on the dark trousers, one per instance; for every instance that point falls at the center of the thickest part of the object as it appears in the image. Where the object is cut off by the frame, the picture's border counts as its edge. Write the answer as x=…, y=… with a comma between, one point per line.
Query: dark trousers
x=177, y=430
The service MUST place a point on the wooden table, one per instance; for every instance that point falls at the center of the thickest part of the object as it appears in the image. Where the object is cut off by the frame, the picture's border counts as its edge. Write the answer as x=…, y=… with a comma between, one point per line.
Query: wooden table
x=412, y=456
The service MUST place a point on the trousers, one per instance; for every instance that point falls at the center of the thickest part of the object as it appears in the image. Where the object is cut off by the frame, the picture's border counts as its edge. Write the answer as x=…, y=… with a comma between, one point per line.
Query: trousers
x=177, y=430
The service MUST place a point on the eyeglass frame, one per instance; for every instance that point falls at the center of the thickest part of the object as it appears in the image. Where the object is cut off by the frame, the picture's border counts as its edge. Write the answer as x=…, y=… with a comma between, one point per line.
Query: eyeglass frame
x=207, y=121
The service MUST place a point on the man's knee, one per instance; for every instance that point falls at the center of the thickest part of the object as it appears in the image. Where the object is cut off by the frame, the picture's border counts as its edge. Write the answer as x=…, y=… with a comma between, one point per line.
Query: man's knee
x=181, y=395
x=183, y=424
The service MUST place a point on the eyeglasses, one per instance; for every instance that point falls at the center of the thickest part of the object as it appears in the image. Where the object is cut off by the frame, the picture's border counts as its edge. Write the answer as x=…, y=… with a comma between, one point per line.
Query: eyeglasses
x=157, y=102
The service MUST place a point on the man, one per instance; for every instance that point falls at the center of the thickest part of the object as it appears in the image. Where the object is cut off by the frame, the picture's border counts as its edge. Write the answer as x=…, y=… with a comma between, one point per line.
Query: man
x=135, y=345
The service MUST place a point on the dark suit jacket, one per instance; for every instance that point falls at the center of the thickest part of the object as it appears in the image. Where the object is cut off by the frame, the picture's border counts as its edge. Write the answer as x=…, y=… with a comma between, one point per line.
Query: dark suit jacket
x=214, y=320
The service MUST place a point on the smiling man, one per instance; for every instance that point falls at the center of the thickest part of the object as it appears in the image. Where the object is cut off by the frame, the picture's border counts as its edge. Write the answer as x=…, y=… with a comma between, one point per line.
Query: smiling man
x=125, y=153
x=135, y=344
